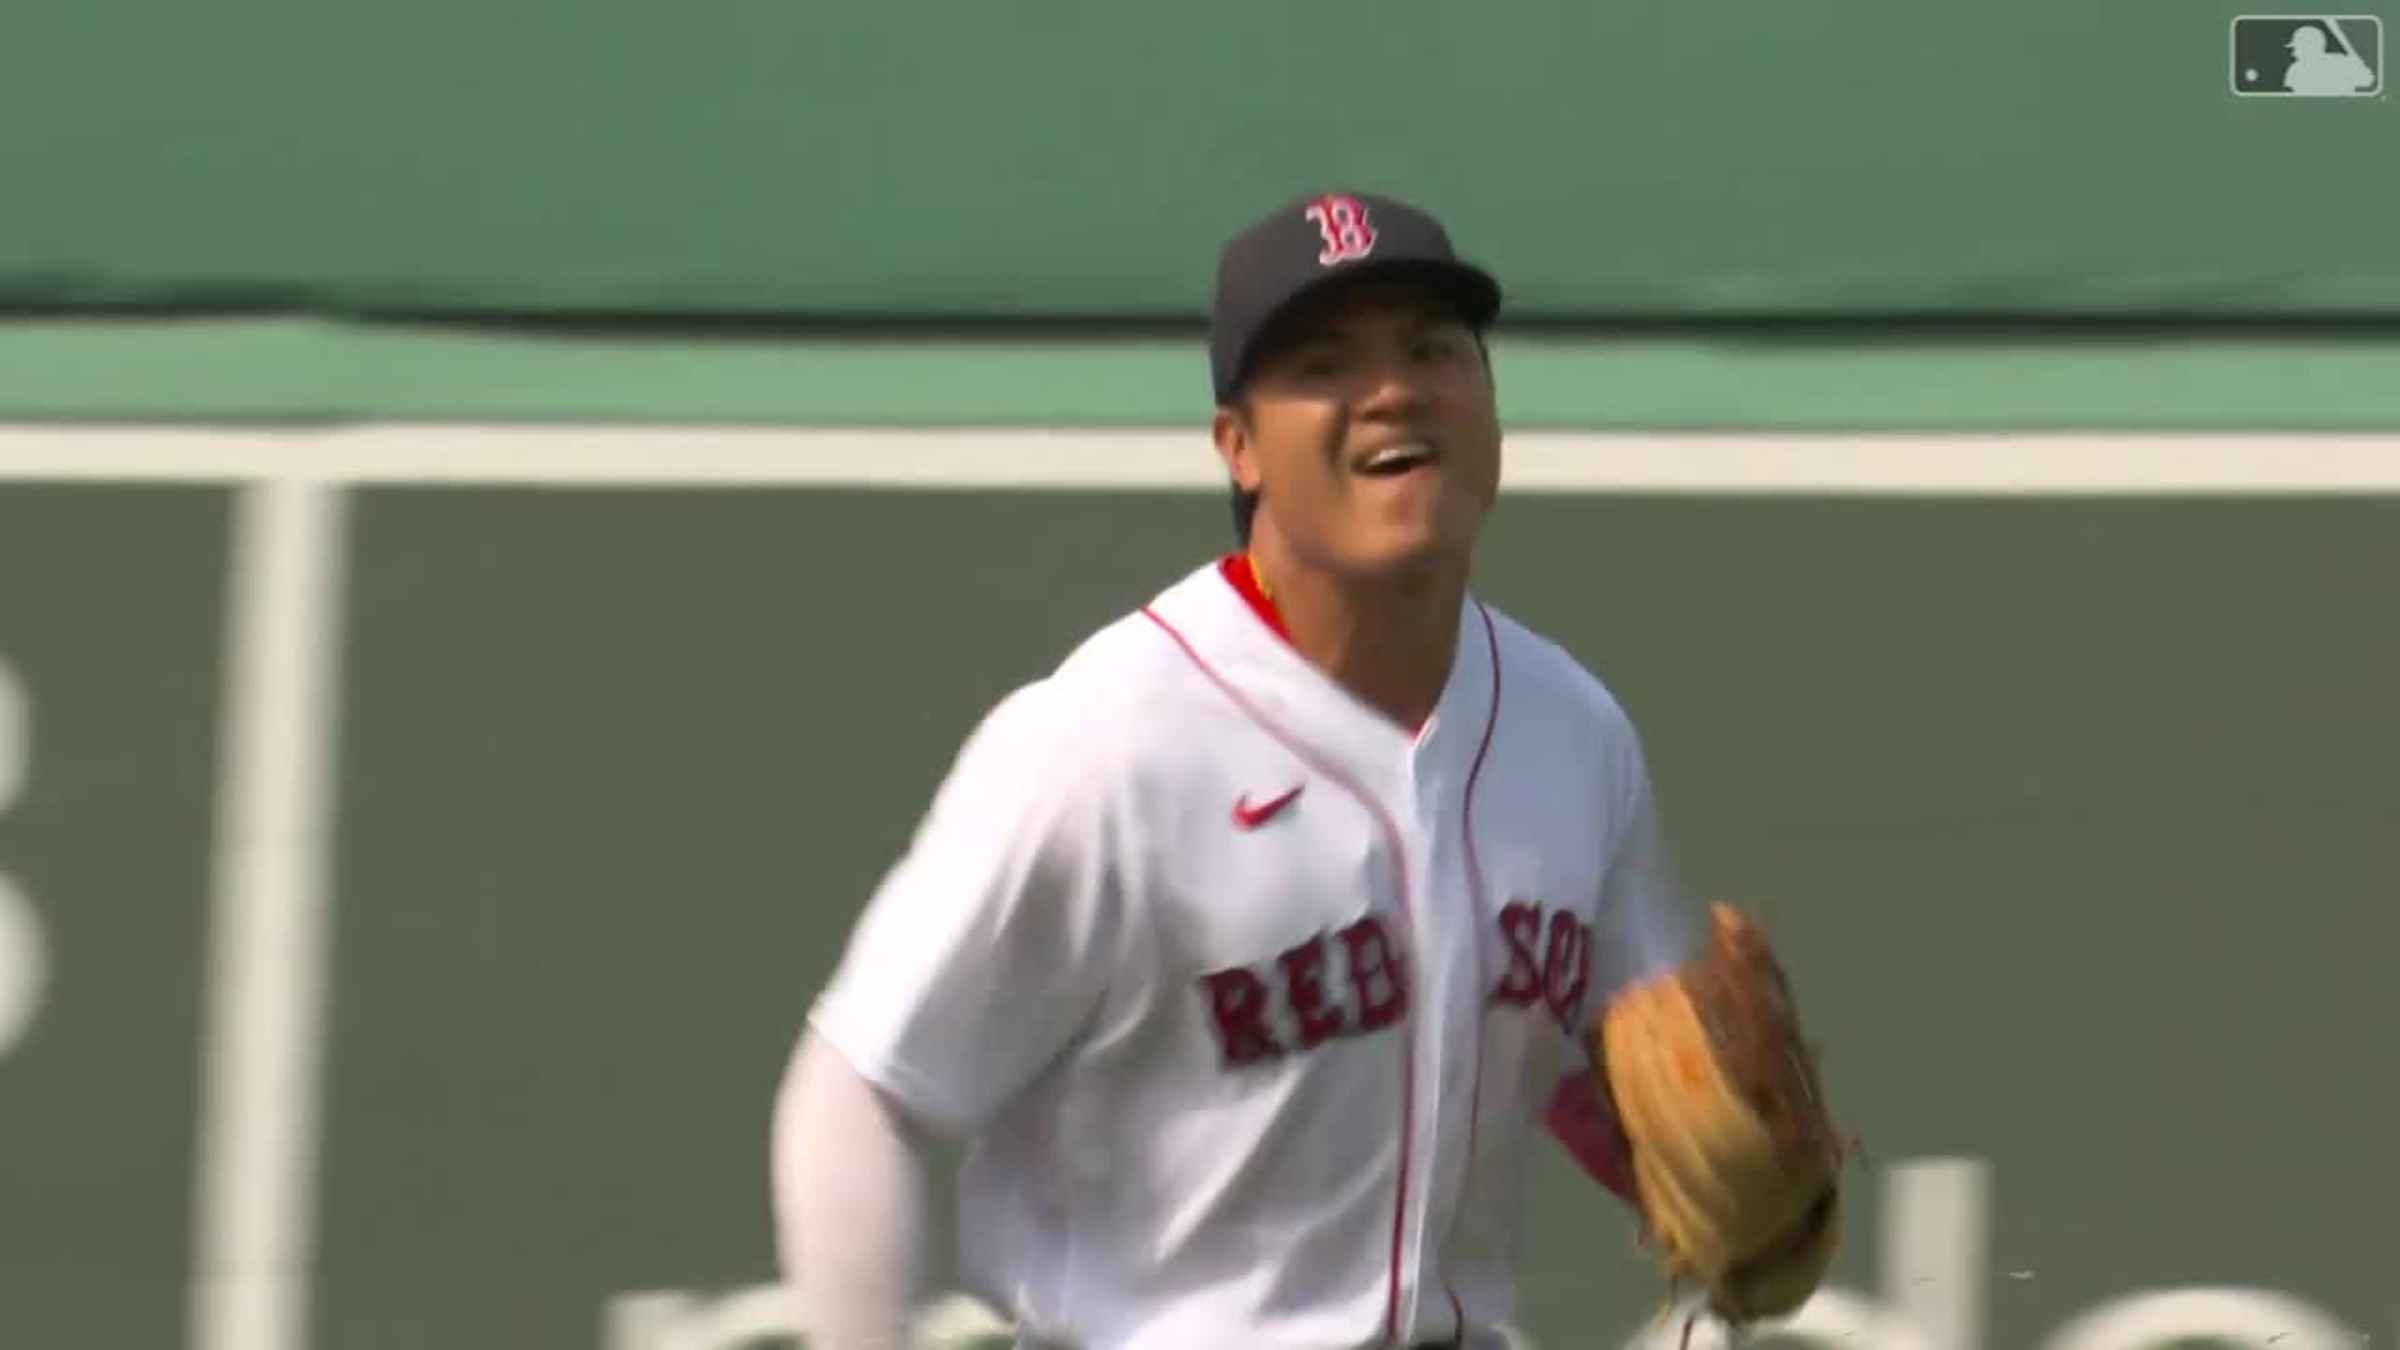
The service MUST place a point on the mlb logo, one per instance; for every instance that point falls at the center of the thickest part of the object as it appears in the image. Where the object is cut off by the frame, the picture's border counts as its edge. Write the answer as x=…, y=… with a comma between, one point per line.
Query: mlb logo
x=2308, y=55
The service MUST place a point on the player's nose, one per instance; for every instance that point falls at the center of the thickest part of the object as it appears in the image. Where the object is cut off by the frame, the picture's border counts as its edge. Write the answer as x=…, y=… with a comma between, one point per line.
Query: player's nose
x=1394, y=389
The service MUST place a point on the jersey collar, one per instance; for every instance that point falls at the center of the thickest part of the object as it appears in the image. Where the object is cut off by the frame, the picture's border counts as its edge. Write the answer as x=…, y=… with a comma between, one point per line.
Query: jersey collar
x=1469, y=673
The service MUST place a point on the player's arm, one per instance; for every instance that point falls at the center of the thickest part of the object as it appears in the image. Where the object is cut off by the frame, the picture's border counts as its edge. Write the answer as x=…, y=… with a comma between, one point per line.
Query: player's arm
x=850, y=1185
x=1643, y=928
x=1582, y=1124
x=1646, y=925
x=977, y=962
x=986, y=948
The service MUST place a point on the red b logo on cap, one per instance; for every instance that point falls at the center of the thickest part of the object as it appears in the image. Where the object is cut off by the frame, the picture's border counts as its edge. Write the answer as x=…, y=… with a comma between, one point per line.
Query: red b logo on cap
x=1343, y=222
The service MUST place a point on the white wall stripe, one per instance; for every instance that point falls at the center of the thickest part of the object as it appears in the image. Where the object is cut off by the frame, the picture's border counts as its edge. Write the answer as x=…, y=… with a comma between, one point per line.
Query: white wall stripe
x=254, y=1209
x=1090, y=458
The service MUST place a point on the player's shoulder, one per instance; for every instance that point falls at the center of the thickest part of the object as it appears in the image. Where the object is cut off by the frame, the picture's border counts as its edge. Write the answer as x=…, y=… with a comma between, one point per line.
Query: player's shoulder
x=1553, y=681
x=1096, y=706
x=1073, y=710
x=1118, y=668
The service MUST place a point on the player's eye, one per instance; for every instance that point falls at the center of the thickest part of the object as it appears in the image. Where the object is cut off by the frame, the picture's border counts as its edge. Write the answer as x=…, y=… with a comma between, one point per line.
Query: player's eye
x=1318, y=363
x=1433, y=347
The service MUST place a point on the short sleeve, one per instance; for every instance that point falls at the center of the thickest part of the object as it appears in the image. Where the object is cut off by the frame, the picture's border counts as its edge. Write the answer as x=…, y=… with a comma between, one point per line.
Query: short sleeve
x=984, y=949
x=1645, y=924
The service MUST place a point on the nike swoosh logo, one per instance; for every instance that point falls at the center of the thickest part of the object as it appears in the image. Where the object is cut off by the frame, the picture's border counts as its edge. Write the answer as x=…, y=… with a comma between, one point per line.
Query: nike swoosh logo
x=1248, y=817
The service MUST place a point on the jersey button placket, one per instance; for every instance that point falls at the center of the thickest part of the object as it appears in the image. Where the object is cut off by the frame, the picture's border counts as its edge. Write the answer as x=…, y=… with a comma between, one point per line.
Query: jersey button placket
x=1445, y=1057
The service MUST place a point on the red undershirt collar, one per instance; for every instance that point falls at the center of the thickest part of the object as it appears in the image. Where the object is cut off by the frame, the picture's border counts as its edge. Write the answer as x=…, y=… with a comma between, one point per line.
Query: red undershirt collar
x=1243, y=577
x=1240, y=574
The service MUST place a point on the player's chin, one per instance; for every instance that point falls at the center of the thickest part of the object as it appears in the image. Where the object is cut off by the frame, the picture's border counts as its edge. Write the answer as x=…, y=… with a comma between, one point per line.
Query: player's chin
x=1404, y=524
x=1397, y=546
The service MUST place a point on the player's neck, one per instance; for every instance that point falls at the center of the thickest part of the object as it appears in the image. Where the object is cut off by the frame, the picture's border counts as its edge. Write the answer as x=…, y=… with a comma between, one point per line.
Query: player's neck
x=1389, y=640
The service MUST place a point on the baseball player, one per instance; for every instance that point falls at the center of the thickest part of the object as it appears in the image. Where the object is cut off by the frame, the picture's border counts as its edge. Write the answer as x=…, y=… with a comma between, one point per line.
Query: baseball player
x=1250, y=945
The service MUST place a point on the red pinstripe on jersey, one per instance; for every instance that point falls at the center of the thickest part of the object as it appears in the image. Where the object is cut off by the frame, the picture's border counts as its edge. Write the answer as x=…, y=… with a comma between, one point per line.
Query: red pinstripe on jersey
x=1476, y=921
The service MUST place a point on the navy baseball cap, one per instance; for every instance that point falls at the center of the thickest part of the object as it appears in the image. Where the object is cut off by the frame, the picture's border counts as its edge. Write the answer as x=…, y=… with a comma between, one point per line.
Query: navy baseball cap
x=1308, y=244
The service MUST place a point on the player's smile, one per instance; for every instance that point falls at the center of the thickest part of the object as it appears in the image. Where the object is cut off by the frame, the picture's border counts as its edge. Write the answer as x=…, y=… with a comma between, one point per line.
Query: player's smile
x=1405, y=484
x=1396, y=459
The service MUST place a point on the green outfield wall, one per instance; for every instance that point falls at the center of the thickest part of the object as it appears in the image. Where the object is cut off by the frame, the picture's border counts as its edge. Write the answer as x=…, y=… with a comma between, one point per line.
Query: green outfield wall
x=1071, y=158
x=108, y=711
x=2075, y=815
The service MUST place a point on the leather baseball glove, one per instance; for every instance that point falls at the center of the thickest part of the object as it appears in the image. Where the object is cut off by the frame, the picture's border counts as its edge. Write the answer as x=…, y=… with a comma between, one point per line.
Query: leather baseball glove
x=1736, y=1163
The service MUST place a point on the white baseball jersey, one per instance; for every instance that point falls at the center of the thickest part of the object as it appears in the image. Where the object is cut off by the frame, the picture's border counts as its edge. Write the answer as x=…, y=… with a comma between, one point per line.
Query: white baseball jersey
x=1249, y=996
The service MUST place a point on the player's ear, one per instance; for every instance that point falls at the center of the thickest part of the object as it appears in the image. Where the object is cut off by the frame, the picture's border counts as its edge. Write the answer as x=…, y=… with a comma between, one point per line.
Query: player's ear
x=1232, y=431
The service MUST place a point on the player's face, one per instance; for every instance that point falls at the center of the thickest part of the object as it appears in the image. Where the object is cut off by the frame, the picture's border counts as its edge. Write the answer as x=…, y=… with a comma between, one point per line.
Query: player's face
x=1370, y=432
